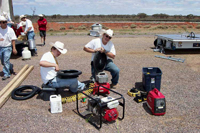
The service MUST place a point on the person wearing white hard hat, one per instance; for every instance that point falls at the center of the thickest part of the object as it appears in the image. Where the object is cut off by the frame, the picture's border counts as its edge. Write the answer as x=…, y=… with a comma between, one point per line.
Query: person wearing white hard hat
x=42, y=23
x=49, y=68
x=9, y=21
x=7, y=46
x=29, y=30
x=104, y=45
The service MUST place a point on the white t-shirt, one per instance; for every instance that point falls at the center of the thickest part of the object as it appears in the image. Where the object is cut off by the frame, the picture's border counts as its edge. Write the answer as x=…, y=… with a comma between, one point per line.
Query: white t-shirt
x=97, y=43
x=29, y=24
x=8, y=35
x=48, y=73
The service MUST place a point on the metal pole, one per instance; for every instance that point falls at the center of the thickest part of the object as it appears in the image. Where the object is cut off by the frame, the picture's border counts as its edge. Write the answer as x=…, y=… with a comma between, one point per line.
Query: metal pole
x=171, y=58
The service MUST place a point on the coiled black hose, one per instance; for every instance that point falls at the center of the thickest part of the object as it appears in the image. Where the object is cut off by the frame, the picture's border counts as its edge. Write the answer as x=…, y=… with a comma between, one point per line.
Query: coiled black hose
x=23, y=92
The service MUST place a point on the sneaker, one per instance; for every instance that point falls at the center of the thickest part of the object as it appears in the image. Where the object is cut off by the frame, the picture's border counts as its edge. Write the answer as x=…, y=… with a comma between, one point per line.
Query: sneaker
x=5, y=77
x=112, y=86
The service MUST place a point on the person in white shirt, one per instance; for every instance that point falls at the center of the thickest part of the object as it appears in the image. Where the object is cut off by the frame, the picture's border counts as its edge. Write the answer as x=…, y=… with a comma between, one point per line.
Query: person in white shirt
x=49, y=68
x=7, y=46
x=104, y=45
x=29, y=30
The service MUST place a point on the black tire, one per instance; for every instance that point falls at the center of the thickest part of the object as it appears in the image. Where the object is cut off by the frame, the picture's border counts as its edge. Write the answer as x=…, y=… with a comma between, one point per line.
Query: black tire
x=155, y=42
x=192, y=35
x=18, y=93
x=99, y=61
x=65, y=74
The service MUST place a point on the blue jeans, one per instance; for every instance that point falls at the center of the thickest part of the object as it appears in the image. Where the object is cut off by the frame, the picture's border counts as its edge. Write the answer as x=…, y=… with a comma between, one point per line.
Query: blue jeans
x=31, y=35
x=72, y=83
x=5, y=53
x=112, y=68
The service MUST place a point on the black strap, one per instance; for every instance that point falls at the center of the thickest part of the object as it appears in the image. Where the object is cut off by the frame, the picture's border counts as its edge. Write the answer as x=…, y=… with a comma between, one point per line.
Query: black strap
x=49, y=81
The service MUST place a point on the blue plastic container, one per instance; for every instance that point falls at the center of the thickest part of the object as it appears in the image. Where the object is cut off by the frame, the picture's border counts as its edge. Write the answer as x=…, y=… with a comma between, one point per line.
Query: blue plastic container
x=151, y=78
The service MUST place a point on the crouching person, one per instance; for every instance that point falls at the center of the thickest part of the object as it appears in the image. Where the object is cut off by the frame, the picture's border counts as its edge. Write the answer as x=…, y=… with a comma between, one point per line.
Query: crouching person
x=49, y=67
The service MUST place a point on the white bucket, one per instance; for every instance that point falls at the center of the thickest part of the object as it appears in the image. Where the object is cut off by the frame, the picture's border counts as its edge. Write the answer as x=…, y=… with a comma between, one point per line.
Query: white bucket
x=56, y=104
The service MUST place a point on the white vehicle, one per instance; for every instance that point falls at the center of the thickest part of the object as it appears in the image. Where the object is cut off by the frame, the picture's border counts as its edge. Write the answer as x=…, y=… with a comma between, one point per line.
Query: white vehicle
x=177, y=41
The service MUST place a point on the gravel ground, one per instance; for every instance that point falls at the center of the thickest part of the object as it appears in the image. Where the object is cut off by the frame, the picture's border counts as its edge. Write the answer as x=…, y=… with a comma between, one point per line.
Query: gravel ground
x=179, y=83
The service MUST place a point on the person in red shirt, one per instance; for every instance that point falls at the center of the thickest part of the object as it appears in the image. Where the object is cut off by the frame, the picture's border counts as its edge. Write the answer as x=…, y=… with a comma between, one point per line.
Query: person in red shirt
x=21, y=29
x=42, y=23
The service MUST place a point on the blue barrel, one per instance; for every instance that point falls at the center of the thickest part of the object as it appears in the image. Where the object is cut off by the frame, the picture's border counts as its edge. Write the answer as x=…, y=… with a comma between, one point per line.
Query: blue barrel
x=151, y=78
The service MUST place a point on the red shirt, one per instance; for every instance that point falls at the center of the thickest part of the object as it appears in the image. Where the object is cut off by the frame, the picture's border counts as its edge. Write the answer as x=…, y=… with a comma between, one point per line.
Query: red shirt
x=19, y=31
x=42, y=23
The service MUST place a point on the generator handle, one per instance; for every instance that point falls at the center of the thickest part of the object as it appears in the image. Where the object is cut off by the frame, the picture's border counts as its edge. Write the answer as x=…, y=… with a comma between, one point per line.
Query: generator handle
x=157, y=91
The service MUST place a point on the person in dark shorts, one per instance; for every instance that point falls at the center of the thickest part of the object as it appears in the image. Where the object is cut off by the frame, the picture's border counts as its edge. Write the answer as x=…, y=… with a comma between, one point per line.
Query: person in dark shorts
x=42, y=23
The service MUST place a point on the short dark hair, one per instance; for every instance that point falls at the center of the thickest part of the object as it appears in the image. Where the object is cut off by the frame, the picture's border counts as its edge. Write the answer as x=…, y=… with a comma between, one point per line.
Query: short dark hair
x=53, y=48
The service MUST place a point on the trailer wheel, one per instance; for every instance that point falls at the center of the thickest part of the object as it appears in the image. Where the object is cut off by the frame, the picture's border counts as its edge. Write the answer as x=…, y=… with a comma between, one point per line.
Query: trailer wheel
x=155, y=42
x=192, y=35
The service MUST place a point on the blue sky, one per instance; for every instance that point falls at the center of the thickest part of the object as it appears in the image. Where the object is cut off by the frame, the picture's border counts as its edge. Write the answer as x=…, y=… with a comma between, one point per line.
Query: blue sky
x=105, y=7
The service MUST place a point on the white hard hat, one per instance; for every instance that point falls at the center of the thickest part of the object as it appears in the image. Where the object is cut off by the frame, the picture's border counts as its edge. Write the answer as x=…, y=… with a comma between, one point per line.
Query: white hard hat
x=40, y=15
x=2, y=18
x=22, y=16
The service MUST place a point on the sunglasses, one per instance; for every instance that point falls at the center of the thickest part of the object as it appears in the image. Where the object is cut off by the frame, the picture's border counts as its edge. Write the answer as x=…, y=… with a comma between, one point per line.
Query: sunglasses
x=3, y=22
x=108, y=37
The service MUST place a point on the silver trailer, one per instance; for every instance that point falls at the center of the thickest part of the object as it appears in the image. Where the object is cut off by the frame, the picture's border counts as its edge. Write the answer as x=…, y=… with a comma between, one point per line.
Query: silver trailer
x=177, y=41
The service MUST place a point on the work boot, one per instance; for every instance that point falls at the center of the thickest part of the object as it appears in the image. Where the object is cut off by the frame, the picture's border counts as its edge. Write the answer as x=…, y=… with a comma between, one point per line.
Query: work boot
x=113, y=86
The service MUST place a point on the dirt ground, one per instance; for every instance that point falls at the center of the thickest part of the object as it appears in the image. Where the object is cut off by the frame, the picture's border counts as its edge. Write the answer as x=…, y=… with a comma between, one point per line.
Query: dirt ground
x=179, y=83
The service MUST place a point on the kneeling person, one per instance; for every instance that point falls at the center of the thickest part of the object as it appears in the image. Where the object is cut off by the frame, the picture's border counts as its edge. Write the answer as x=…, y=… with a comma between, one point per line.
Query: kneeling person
x=49, y=67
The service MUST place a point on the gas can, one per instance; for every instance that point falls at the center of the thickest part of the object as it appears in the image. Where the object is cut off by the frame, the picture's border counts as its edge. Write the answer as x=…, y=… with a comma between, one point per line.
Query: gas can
x=56, y=103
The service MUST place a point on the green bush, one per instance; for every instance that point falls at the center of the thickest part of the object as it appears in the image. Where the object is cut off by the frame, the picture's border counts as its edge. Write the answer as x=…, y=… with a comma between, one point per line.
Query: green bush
x=184, y=27
x=198, y=27
x=174, y=26
x=82, y=27
x=190, y=26
x=71, y=27
x=133, y=26
x=51, y=29
x=125, y=26
x=104, y=27
x=162, y=27
x=62, y=28
x=147, y=26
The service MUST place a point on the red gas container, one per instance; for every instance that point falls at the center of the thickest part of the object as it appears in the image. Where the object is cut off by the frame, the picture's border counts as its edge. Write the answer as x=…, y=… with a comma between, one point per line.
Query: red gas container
x=102, y=90
x=156, y=102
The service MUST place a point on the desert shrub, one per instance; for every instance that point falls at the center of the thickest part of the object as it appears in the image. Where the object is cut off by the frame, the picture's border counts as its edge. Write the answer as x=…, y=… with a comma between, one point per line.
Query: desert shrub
x=190, y=26
x=125, y=26
x=162, y=27
x=174, y=26
x=104, y=27
x=71, y=27
x=198, y=27
x=184, y=27
x=147, y=26
x=82, y=27
x=133, y=26
x=51, y=29
x=62, y=28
